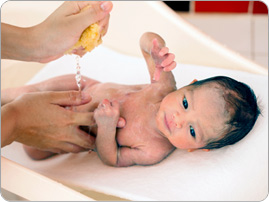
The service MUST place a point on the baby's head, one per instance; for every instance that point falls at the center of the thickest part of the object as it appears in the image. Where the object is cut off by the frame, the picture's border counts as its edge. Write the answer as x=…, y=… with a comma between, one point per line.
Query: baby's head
x=240, y=105
x=208, y=114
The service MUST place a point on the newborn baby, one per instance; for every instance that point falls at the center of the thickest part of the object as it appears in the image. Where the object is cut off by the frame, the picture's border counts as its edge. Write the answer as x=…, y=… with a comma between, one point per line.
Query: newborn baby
x=206, y=114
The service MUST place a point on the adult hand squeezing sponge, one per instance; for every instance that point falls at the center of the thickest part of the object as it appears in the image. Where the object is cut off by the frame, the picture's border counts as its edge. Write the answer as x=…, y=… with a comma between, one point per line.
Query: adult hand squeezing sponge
x=89, y=39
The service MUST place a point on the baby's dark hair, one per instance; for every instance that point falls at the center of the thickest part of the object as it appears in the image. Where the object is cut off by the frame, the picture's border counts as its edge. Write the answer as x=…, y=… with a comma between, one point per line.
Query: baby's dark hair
x=241, y=105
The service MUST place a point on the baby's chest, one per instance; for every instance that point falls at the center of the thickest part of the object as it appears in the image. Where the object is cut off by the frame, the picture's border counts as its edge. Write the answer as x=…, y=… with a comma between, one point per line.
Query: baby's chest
x=138, y=130
x=140, y=134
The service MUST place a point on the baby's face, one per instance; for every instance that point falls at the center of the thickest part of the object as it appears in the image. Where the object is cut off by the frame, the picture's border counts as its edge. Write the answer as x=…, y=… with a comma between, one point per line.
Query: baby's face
x=190, y=117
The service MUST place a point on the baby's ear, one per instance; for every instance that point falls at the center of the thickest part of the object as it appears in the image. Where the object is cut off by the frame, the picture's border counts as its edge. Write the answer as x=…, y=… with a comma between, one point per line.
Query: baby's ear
x=194, y=81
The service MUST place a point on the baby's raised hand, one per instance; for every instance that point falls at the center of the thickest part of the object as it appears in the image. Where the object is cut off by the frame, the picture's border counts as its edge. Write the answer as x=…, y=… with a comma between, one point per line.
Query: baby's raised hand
x=108, y=114
x=164, y=60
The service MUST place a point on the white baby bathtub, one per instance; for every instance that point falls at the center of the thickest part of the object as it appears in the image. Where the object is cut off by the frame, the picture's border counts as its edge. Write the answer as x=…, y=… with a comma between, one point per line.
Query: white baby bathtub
x=129, y=20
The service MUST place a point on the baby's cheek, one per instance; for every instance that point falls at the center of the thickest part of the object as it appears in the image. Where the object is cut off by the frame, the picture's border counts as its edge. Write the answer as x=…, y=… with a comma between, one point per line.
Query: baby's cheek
x=180, y=142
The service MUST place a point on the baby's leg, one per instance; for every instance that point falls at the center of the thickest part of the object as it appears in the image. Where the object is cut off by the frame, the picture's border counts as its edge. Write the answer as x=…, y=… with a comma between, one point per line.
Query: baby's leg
x=37, y=154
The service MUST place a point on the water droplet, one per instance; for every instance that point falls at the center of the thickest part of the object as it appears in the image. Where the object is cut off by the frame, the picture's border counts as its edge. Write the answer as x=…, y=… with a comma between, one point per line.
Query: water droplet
x=78, y=75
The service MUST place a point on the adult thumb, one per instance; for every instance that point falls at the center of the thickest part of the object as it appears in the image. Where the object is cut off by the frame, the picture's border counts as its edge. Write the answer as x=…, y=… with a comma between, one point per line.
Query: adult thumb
x=69, y=98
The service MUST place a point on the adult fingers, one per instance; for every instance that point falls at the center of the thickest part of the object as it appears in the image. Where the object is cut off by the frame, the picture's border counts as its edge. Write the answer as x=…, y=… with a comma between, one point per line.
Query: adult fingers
x=104, y=25
x=70, y=147
x=73, y=7
x=82, y=118
x=82, y=138
x=68, y=98
x=93, y=14
x=73, y=140
x=79, y=51
x=76, y=137
x=89, y=107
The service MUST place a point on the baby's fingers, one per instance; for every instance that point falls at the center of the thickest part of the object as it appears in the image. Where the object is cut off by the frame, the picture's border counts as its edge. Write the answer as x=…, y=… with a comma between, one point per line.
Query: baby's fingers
x=82, y=118
x=121, y=123
x=105, y=104
x=163, y=51
x=170, y=67
x=168, y=60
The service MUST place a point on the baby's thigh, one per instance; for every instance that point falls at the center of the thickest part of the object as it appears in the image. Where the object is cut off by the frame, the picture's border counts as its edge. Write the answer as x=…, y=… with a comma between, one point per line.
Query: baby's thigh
x=37, y=154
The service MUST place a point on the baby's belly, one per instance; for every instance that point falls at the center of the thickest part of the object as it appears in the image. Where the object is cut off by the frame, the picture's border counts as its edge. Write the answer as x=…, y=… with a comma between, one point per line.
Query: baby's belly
x=135, y=133
x=133, y=108
x=128, y=138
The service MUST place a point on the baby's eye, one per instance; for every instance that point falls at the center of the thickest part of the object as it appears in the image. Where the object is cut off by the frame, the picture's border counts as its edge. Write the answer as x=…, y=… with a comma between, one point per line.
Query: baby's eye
x=192, y=131
x=185, y=103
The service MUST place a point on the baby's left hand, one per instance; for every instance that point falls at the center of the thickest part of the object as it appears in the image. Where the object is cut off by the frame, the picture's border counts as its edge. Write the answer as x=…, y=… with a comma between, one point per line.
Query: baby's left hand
x=164, y=60
x=108, y=114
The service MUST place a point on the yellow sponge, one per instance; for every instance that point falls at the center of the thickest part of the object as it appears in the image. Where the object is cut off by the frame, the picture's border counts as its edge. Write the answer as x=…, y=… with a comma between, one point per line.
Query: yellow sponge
x=89, y=39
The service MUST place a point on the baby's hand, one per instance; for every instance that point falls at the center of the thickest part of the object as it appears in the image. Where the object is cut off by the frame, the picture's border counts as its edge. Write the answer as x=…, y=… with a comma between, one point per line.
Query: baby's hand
x=108, y=114
x=164, y=60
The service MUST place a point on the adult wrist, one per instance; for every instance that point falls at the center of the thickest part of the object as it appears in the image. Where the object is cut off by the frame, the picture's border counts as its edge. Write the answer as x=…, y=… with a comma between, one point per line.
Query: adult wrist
x=17, y=43
x=38, y=43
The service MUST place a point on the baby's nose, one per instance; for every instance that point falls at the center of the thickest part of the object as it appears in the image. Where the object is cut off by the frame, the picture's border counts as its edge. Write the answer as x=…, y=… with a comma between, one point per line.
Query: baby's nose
x=179, y=122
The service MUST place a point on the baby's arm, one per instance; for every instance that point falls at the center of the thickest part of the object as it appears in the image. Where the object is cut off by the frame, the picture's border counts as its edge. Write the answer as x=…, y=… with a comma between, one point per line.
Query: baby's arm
x=106, y=116
x=159, y=61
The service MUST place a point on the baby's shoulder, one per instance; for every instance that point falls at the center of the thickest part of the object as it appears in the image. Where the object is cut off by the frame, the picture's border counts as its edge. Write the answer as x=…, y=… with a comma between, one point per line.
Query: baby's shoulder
x=159, y=90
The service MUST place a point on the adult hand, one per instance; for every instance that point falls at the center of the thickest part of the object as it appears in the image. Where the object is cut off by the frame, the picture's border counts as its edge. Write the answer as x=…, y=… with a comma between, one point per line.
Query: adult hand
x=62, y=29
x=67, y=82
x=49, y=40
x=39, y=120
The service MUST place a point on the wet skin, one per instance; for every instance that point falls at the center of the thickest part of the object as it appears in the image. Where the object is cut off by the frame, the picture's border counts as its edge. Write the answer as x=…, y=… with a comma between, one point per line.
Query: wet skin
x=157, y=118
x=139, y=105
